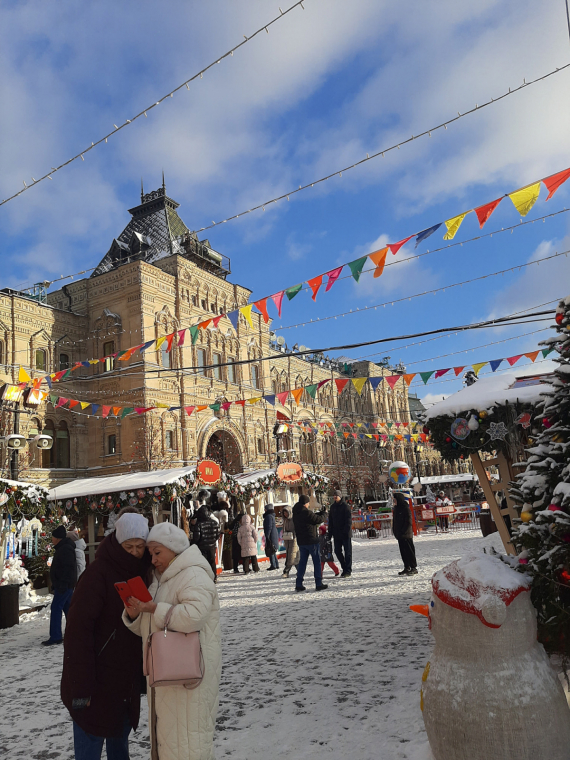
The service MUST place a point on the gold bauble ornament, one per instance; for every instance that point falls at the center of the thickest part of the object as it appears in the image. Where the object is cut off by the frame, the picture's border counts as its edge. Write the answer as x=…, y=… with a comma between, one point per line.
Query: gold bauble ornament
x=483, y=414
x=526, y=517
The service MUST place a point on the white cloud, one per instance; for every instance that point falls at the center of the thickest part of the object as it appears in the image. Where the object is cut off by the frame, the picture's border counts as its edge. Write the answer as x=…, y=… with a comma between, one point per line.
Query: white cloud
x=433, y=398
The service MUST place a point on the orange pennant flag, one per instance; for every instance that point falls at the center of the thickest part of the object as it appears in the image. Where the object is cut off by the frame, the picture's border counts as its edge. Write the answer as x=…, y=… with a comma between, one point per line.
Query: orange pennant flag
x=532, y=355
x=201, y=408
x=379, y=259
x=408, y=378
x=117, y=410
x=315, y=284
x=297, y=393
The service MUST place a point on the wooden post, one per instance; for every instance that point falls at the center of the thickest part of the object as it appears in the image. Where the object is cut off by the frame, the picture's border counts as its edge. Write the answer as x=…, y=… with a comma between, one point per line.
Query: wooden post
x=91, y=544
x=490, y=488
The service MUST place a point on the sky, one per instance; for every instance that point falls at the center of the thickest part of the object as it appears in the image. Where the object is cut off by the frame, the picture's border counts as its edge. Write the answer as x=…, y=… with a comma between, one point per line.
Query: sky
x=325, y=86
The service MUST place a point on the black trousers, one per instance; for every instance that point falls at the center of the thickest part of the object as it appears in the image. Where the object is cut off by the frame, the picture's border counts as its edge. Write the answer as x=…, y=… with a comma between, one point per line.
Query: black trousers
x=343, y=550
x=254, y=564
x=209, y=552
x=408, y=552
x=236, y=553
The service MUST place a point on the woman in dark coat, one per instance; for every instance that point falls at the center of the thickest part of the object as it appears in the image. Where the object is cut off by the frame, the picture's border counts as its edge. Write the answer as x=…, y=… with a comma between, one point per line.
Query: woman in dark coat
x=236, y=548
x=102, y=664
x=271, y=537
x=403, y=532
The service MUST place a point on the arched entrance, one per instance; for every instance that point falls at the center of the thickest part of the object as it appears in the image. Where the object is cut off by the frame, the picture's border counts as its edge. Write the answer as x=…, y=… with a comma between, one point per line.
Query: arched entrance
x=223, y=448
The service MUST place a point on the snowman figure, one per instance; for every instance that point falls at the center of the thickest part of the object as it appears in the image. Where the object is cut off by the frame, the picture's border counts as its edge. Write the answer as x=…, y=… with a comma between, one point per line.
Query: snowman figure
x=489, y=690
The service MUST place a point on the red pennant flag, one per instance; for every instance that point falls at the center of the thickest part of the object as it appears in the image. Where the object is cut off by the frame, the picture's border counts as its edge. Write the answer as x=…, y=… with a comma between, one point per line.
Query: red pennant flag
x=513, y=359
x=262, y=307
x=61, y=402
x=226, y=405
x=441, y=372
x=458, y=370
x=379, y=259
x=532, y=355
x=323, y=382
x=143, y=409
x=106, y=410
x=181, y=336
x=351, y=424
x=355, y=435
x=333, y=276
x=277, y=299
x=202, y=325
x=169, y=340
x=376, y=436
x=216, y=320
x=395, y=247
x=187, y=409
x=553, y=182
x=72, y=403
x=340, y=384
x=282, y=397
x=484, y=212
x=374, y=424
x=392, y=380
x=315, y=284
x=241, y=402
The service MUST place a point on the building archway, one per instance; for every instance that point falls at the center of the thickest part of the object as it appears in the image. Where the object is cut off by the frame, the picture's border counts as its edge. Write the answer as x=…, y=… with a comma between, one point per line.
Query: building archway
x=224, y=448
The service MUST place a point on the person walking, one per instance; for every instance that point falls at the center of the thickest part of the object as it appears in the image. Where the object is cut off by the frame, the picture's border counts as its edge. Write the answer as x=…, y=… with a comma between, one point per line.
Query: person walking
x=443, y=501
x=403, y=532
x=80, y=547
x=205, y=535
x=236, y=548
x=271, y=537
x=325, y=549
x=247, y=539
x=102, y=660
x=290, y=541
x=340, y=529
x=63, y=575
x=181, y=721
x=306, y=522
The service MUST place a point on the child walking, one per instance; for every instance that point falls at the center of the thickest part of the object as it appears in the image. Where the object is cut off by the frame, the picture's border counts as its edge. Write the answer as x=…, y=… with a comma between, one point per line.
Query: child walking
x=326, y=552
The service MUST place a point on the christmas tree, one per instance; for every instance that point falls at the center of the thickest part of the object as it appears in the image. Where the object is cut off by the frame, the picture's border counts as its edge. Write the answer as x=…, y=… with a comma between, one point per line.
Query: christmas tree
x=543, y=491
x=37, y=565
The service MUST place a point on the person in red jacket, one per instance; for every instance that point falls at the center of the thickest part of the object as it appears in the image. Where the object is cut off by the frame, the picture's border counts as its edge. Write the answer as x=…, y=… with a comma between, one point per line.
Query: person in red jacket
x=102, y=663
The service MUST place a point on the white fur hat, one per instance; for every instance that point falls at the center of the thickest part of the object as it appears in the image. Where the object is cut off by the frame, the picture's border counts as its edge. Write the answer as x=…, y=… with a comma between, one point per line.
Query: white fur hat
x=222, y=495
x=170, y=536
x=131, y=525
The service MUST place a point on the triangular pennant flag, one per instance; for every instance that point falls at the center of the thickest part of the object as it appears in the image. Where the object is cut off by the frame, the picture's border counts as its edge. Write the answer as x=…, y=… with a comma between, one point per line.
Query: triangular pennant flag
x=495, y=364
x=282, y=397
x=277, y=299
x=201, y=408
x=270, y=399
x=375, y=382
x=553, y=182
x=189, y=410
x=96, y=361
x=72, y=403
x=357, y=266
x=523, y=200
x=94, y=408
x=425, y=376
x=84, y=404
x=389, y=425
x=255, y=400
x=159, y=342
x=105, y=410
x=116, y=410
x=376, y=436
x=378, y=258
x=441, y=372
x=484, y=212
x=233, y=316
x=216, y=320
x=204, y=324
x=458, y=370
x=246, y=311
x=311, y=389
x=182, y=336
x=124, y=356
x=340, y=384
x=395, y=247
x=297, y=393
x=315, y=283
x=194, y=333
x=513, y=359
x=333, y=276
x=262, y=307
x=88, y=364
x=532, y=354
x=61, y=402
x=358, y=383
x=392, y=380
x=292, y=292
x=477, y=367
x=126, y=410
x=546, y=351
x=323, y=382
x=426, y=233
x=214, y=407
x=23, y=376
x=141, y=409
x=47, y=378
x=453, y=225
x=408, y=378
x=142, y=349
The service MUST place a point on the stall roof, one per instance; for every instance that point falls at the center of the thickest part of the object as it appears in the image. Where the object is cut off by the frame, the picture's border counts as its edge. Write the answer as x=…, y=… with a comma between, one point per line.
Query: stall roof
x=431, y=479
x=488, y=392
x=251, y=477
x=114, y=483
x=22, y=484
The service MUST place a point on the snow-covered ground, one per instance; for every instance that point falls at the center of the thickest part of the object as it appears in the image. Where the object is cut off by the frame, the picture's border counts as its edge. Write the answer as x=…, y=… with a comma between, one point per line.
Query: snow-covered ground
x=334, y=674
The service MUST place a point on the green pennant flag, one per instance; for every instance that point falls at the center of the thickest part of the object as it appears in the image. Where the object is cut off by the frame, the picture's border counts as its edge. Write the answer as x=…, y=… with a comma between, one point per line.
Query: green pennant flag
x=391, y=437
x=339, y=435
x=126, y=410
x=215, y=407
x=194, y=333
x=121, y=353
x=311, y=389
x=425, y=376
x=546, y=351
x=357, y=266
x=53, y=399
x=67, y=374
x=292, y=292
x=389, y=425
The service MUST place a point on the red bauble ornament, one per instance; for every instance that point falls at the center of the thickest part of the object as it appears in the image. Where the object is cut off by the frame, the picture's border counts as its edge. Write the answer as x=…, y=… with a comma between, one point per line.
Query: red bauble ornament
x=554, y=508
x=426, y=429
x=559, y=317
x=546, y=422
x=448, y=440
x=43, y=519
x=565, y=576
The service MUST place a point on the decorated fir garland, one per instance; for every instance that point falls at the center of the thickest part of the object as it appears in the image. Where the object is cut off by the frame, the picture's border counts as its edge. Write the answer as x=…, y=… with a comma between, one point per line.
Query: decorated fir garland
x=243, y=492
x=24, y=500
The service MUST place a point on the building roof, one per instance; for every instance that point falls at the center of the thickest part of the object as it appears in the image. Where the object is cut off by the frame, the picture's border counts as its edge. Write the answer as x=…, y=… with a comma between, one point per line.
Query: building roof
x=115, y=483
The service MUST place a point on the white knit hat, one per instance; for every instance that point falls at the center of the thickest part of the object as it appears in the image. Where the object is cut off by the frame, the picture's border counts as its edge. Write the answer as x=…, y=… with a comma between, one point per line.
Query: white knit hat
x=131, y=525
x=170, y=536
x=222, y=495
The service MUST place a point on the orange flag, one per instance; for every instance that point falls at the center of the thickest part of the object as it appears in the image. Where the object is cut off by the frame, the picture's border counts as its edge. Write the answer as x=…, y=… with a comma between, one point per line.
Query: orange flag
x=532, y=355
x=408, y=378
x=379, y=259
x=297, y=393
x=340, y=384
x=315, y=284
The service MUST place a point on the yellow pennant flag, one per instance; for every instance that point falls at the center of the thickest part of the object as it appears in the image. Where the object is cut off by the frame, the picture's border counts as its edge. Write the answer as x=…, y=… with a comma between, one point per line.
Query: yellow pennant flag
x=162, y=406
x=477, y=367
x=160, y=341
x=525, y=199
x=246, y=311
x=84, y=404
x=23, y=376
x=254, y=400
x=453, y=225
x=91, y=361
x=358, y=383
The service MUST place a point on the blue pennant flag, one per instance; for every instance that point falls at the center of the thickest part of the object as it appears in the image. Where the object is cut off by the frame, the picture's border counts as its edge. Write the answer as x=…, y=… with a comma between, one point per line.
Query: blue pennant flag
x=426, y=233
x=375, y=381
x=233, y=316
x=48, y=381
x=270, y=399
x=85, y=364
x=94, y=408
x=495, y=364
x=148, y=344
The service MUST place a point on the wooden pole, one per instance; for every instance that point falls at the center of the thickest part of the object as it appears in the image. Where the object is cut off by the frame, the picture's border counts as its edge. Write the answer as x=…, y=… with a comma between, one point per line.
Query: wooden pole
x=489, y=490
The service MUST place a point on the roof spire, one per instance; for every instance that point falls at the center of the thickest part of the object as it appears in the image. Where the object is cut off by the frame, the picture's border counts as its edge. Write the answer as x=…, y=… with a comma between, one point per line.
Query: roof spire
x=142, y=190
x=163, y=185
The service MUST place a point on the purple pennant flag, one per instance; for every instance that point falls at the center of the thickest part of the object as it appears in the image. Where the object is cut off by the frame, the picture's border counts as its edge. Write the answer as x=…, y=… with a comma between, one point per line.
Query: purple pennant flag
x=233, y=316
x=375, y=381
x=495, y=364
x=426, y=233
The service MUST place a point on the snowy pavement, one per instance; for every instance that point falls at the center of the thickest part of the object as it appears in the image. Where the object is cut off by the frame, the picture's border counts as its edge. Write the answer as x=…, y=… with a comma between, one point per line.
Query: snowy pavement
x=334, y=674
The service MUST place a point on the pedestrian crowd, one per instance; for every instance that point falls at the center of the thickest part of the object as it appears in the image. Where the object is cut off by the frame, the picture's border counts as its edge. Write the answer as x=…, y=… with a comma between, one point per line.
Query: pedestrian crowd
x=163, y=581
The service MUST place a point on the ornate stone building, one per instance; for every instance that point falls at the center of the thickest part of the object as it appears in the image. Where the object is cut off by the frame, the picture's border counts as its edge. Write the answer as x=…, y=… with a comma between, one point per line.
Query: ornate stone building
x=156, y=278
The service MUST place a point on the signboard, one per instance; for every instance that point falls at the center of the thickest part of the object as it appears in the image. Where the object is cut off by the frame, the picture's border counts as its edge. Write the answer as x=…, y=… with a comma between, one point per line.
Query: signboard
x=12, y=393
x=428, y=514
x=445, y=510
x=289, y=472
x=209, y=472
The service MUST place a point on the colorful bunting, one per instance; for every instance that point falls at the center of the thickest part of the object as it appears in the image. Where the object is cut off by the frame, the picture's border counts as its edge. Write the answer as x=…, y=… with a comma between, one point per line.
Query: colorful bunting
x=94, y=408
x=182, y=336
x=312, y=389
x=477, y=367
x=144, y=347
x=408, y=378
x=513, y=359
x=546, y=351
x=426, y=233
x=233, y=316
x=333, y=276
x=315, y=284
x=277, y=299
x=523, y=200
x=441, y=372
x=395, y=247
x=270, y=399
x=378, y=258
x=159, y=342
x=375, y=382
x=23, y=376
x=358, y=383
x=116, y=410
x=194, y=334
x=458, y=370
x=553, y=182
x=282, y=397
x=357, y=266
x=340, y=384
x=169, y=342
x=533, y=354
x=392, y=380
x=246, y=311
x=261, y=306
x=425, y=376
x=216, y=320
x=106, y=409
x=484, y=212
x=297, y=393
x=292, y=292
x=189, y=410
x=495, y=364
x=453, y=225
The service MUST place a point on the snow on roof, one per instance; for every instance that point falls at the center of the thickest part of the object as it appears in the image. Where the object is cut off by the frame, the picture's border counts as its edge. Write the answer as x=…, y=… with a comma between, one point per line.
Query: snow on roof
x=430, y=479
x=252, y=477
x=487, y=392
x=22, y=484
x=114, y=483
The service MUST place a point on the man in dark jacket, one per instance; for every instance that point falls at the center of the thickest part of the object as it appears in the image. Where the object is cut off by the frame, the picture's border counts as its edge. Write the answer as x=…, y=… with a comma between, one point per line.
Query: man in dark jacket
x=271, y=537
x=403, y=532
x=206, y=534
x=340, y=528
x=63, y=574
x=306, y=529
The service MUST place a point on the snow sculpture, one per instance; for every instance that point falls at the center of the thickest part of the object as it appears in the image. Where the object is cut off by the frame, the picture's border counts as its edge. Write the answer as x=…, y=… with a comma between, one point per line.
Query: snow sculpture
x=489, y=690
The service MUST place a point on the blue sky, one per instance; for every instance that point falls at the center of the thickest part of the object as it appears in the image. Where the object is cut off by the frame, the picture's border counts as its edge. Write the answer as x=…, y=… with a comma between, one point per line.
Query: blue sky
x=323, y=88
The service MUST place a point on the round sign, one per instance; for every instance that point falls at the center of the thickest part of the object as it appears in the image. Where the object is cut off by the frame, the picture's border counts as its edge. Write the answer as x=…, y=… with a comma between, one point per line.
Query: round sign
x=460, y=429
x=289, y=472
x=399, y=473
x=418, y=487
x=209, y=472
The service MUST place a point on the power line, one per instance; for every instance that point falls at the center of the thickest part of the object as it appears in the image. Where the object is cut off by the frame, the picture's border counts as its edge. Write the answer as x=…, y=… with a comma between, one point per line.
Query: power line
x=144, y=112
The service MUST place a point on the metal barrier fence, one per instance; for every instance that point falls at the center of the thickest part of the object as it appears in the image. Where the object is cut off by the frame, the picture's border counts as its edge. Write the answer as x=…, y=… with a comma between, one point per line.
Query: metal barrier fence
x=463, y=520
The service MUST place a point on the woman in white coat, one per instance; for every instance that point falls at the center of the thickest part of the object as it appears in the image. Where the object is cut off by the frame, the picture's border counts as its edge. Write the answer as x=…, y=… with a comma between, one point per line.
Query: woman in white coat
x=181, y=720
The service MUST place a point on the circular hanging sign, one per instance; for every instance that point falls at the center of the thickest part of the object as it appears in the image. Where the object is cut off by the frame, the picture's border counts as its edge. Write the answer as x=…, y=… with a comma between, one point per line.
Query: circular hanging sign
x=399, y=473
x=209, y=472
x=460, y=429
x=289, y=472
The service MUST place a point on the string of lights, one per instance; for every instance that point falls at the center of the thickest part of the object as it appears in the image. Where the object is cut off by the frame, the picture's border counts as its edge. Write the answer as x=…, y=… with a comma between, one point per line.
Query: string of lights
x=144, y=112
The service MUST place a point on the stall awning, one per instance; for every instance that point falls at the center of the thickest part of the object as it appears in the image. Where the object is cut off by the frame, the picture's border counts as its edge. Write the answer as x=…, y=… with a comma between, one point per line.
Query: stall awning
x=251, y=477
x=431, y=479
x=115, y=483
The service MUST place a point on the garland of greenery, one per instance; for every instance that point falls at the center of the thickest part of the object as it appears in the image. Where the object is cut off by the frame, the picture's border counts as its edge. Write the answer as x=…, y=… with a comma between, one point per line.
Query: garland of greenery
x=24, y=500
x=243, y=492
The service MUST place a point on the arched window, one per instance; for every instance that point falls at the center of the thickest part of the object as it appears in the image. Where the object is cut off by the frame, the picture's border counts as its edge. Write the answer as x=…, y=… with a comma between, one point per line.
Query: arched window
x=165, y=355
x=62, y=446
x=48, y=455
x=40, y=362
x=255, y=376
x=63, y=362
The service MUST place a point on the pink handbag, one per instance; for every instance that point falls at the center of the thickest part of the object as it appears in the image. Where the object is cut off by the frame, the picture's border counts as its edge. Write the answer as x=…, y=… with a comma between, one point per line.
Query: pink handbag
x=173, y=658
